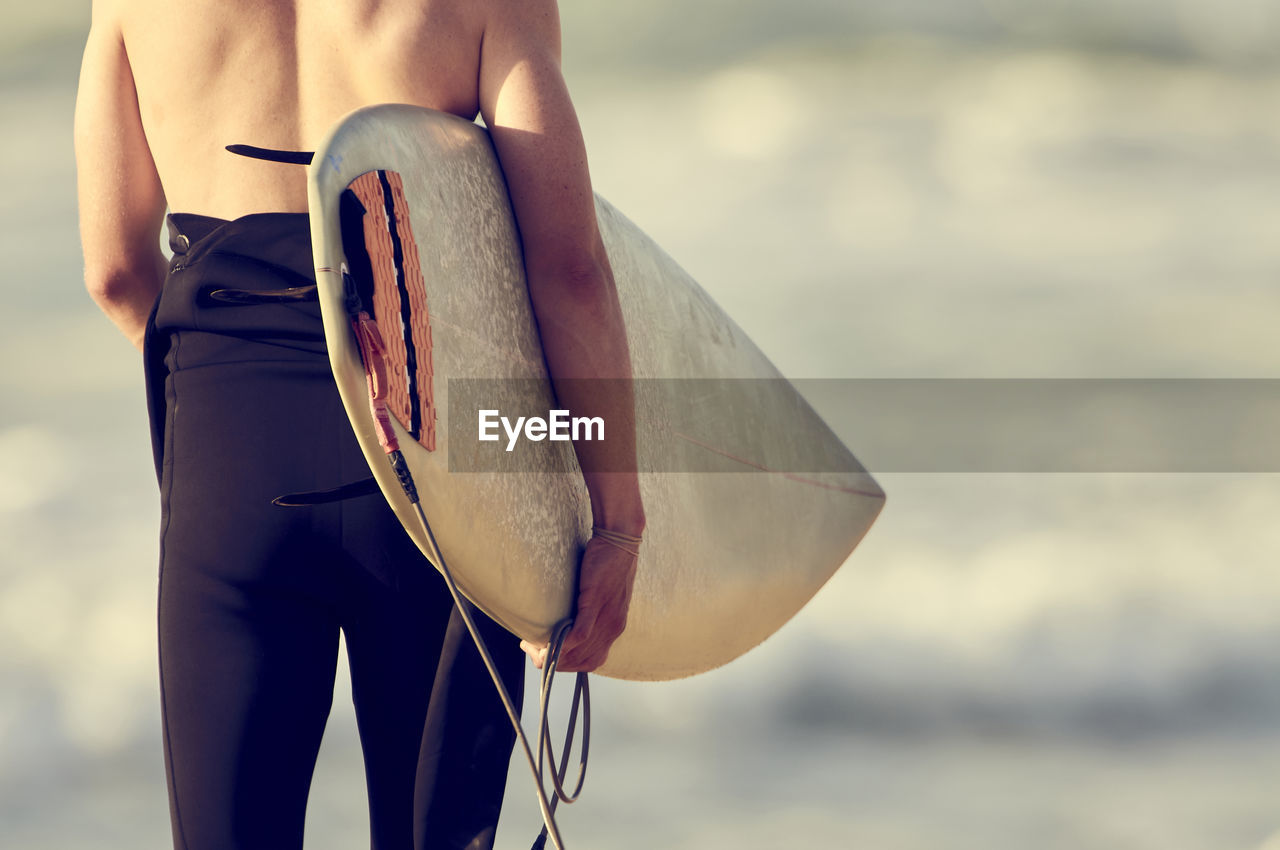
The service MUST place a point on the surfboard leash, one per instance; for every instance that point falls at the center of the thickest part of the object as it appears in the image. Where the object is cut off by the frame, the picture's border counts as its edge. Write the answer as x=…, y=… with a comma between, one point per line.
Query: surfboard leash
x=369, y=340
x=581, y=694
x=548, y=806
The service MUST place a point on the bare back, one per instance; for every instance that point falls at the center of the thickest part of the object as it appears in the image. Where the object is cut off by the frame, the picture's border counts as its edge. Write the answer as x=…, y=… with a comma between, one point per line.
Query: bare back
x=279, y=74
x=164, y=87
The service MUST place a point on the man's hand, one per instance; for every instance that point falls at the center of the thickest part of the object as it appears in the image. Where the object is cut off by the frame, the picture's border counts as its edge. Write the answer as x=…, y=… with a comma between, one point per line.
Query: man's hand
x=605, y=580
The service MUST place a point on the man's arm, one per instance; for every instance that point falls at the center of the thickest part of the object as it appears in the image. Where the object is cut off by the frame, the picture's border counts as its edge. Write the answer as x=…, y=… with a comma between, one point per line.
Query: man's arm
x=121, y=200
x=535, y=130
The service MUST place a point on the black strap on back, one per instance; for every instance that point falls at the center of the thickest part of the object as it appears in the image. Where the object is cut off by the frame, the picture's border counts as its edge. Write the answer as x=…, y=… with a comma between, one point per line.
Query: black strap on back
x=288, y=295
x=363, y=487
x=271, y=155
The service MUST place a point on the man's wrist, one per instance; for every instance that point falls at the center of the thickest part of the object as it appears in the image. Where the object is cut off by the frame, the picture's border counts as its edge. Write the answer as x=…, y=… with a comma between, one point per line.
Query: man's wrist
x=634, y=528
x=616, y=503
x=628, y=522
x=629, y=543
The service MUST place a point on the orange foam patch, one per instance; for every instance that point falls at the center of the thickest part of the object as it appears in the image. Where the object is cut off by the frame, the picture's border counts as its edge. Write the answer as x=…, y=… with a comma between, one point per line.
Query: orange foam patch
x=387, y=302
x=421, y=329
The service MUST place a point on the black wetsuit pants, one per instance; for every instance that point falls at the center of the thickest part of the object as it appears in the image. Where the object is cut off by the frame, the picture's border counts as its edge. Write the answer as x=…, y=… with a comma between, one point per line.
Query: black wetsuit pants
x=253, y=595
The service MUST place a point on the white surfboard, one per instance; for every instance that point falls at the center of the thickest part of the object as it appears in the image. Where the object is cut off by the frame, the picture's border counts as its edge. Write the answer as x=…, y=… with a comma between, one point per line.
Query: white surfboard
x=729, y=555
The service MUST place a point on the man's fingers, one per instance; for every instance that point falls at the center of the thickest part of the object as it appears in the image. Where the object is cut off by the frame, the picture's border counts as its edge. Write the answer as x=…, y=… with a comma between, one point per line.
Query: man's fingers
x=576, y=641
x=579, y=648
x=584, y=661
x=537, y=654
x=588, y=649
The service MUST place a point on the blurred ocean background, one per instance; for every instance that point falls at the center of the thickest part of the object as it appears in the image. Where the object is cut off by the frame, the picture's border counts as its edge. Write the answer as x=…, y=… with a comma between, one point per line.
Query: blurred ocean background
x=872, y=188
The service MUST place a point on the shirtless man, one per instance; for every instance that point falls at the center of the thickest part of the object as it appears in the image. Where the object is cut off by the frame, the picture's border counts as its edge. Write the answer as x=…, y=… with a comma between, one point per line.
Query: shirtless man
x=247, y=632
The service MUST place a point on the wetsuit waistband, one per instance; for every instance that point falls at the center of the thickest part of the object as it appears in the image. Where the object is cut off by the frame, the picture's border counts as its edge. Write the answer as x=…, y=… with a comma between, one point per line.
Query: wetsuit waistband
x=261, y=252
x=192, y=235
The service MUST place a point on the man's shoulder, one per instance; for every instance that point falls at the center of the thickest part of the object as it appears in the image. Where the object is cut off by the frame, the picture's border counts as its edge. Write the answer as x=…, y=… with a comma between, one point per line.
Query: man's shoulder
x=523, y=26
x=103, y=13
x=523, y=12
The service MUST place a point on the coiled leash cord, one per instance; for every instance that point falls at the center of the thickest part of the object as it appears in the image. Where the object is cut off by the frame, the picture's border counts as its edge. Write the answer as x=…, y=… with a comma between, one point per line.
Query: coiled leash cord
x=371, y=352
x=630, y=545
x=581, y=698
